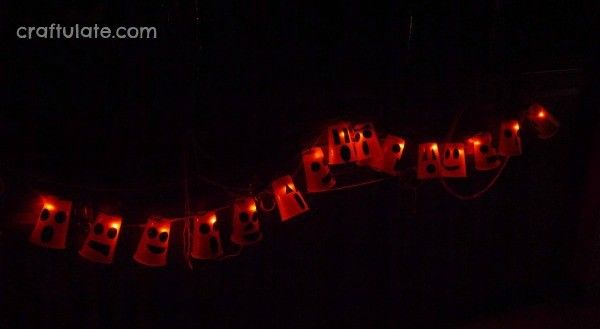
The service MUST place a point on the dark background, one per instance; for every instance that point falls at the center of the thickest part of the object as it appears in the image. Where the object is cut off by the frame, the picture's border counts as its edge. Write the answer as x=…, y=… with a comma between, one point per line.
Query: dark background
x=231, y=93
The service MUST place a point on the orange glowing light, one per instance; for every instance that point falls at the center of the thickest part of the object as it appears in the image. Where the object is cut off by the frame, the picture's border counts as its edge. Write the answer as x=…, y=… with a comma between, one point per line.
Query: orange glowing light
x=253, y=207
x=213, y=219
x=516, y=126
x=49, y=206
x=541, y=114
x=476, y=142
x=115, y=225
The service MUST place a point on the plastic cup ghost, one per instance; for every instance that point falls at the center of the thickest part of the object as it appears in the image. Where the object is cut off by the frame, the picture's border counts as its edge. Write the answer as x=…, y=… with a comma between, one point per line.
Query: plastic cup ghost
x=289, y=200
x=483, y=152
x=101, y=242
x=340, y=144
x=245, y=222
x=206, y=239
x=509, y=139
x=318, y=175
x=153, y=247
x=470, y=146
x=366, y=145
x=52, y=224
x=545, y=124
x=453, y=161
x=392, y=149
x=428, y=165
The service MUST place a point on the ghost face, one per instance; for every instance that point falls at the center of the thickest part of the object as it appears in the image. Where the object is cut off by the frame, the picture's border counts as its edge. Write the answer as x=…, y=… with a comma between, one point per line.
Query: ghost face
x=102, y=240
x=429, y=161
x=453, y=160
x=289, y=201
x=206, y=240
x=154, y=244
x=246, y=226
x=52, y=225
x=366, y=144
x=509, y=141
x=543, y=122
x=393, y=147
x=484, y=153
x=318, y=175
x=341, y=146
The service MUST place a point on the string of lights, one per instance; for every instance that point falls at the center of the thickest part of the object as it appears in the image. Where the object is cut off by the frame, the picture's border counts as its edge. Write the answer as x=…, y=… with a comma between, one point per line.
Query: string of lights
x=348, y=146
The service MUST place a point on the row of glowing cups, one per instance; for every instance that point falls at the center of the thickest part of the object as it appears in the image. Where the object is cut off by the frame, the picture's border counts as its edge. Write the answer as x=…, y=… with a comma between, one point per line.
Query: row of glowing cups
x=52, y=225
x=359, y=144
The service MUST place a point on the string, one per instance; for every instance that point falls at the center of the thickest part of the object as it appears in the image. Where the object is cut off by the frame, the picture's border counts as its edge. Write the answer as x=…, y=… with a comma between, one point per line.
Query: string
x=227, y=189
x=261, y=201
x=187, y=210
x=475, y=195
x=235, y=254
x=187, y=236
x=348, y=187
x=179, y=219
x=480, y=192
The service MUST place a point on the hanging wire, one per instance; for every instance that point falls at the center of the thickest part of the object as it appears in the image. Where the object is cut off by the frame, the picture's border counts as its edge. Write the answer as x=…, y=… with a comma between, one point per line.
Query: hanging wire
x=349, y=187
x=187, y=209
x=230, y=190
x=475, y=195
x=261, y=201
x=480, y=192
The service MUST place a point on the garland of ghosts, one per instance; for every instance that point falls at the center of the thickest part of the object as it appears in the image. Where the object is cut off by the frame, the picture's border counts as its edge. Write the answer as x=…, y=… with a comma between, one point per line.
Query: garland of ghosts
x=346, y=144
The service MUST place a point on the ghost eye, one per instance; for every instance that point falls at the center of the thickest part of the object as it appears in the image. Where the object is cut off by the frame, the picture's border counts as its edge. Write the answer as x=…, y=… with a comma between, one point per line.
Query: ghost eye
x=98, y=229
x=204, y=228
x=367, y=133
x=163, y=236
x=346, y=135
x=396, y=148
x=447, y=154
x=484, y=149
x=60, y=217
x=356, y=137
x=45, y=214
x=255, y=217
x=315, y=166
x=456, y=153
x=507, y=133
x=336, y=136
x=112, y=233
x=152, y=233
x=243, y=217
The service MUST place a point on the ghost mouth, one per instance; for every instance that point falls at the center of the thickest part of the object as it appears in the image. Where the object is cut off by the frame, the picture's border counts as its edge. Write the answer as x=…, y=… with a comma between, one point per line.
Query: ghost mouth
x=102, y=248
x=397, y=165
x=326, y=179
x=430, y=168
x=452, y=168
x=47, y=234
x=492, y=159
x=214, y=245
x=155, y=249
x=252, y=236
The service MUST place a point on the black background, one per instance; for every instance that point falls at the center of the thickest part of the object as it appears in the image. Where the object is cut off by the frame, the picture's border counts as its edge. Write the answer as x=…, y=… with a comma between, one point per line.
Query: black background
x=237, y=91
